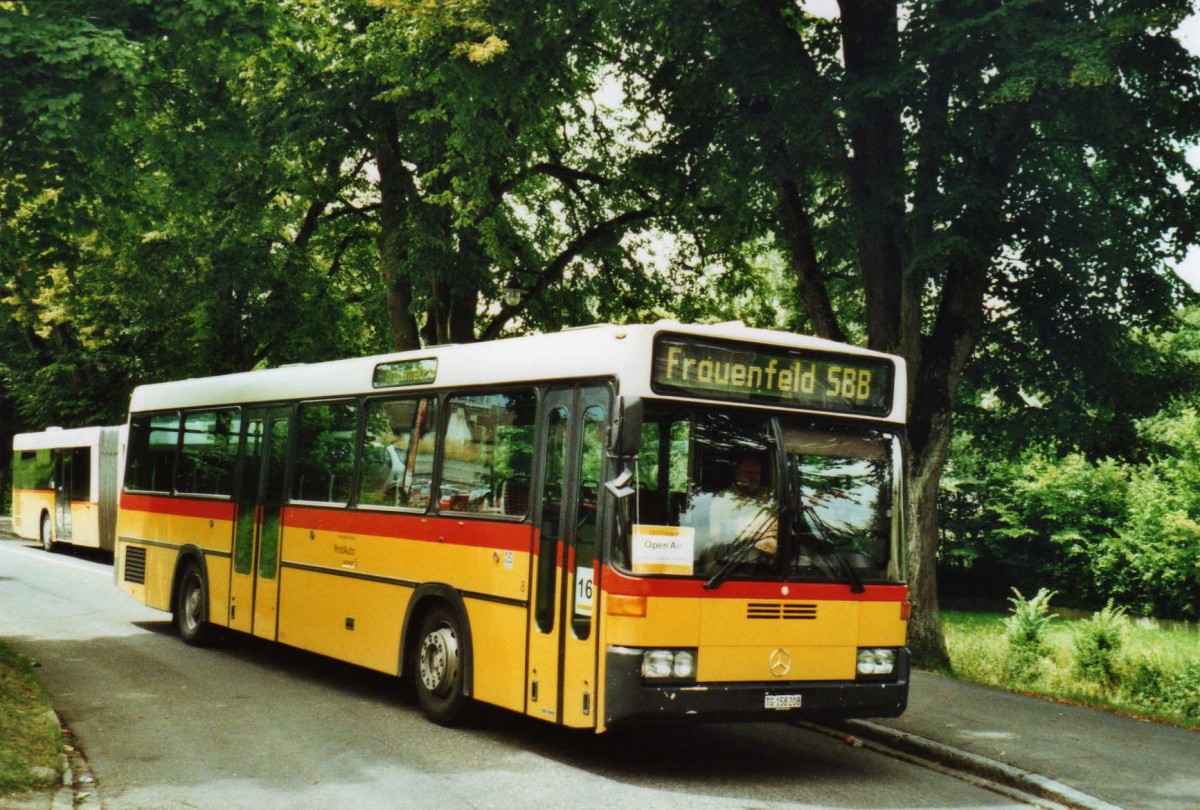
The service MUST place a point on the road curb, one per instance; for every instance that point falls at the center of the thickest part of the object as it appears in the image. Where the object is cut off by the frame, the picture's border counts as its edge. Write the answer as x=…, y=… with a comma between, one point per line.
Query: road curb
x=78, y=791
x=1000, y=772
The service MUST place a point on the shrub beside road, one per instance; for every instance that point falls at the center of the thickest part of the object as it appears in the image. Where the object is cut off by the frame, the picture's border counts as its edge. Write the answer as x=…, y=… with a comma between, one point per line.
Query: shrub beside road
x=1107, y=661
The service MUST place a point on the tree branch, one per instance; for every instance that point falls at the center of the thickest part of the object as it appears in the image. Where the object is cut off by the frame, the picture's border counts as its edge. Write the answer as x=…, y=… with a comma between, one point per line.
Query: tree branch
x=558, y=171
x=810, y=280
x=553, y=271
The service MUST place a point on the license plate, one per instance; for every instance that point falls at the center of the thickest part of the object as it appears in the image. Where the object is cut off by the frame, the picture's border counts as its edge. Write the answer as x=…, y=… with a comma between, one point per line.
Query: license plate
x=782, y=701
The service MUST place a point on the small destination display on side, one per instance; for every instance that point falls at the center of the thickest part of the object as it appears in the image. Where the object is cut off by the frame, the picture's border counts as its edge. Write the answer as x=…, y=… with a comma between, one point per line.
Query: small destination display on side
x=405, y=372
x=819, y=381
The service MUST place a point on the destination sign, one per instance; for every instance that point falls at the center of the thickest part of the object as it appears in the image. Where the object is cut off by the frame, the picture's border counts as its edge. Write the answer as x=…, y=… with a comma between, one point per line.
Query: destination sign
x=405, y=372
x=794, y=378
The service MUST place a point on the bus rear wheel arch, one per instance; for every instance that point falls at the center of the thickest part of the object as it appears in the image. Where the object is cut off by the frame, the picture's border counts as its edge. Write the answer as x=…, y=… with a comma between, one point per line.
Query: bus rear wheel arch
x=439, y=665
x=191, y=605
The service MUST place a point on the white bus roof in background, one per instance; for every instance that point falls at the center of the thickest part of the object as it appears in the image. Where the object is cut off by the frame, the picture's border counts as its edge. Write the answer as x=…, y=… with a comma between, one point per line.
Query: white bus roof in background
x=52, y=438
x=606, y=350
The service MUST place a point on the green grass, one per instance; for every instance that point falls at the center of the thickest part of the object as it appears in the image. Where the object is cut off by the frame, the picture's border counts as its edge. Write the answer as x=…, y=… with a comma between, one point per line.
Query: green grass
x=1157, y=671
x=29, y=735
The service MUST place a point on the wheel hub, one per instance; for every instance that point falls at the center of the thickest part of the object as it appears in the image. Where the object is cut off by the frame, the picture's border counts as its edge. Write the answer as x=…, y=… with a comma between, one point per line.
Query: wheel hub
x=439, y=660
x=191, y=613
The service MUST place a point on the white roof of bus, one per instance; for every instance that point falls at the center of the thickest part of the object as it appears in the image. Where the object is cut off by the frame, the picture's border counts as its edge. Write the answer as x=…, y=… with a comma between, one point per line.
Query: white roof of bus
x=604, y=350
x=51, y=438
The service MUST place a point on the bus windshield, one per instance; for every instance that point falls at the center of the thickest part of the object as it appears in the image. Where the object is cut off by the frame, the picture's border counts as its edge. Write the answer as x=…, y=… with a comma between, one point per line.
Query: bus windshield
x=723, y=494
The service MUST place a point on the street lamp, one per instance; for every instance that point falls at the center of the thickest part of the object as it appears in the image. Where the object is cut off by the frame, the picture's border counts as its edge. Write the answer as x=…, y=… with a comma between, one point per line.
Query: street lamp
x=512, y=295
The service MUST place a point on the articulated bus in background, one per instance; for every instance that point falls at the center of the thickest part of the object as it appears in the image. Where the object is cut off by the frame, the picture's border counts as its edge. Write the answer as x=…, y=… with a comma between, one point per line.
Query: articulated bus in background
x=609, y=525
x=65, y=485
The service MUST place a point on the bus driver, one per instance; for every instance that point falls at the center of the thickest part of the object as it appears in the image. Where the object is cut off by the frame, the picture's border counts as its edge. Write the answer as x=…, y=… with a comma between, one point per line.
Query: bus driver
x=745, y=509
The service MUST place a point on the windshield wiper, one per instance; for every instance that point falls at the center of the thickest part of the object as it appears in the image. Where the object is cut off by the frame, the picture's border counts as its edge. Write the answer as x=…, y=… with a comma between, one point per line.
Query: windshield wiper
x=741, y=546
x=816, y=524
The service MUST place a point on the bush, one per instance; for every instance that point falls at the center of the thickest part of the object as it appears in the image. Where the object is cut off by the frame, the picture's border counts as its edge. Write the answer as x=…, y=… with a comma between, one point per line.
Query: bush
x=1163, y=687
x=1156, y=672
x=1152, y=565
x=1025, y=634
x=1039, y=519
x=1097, y=642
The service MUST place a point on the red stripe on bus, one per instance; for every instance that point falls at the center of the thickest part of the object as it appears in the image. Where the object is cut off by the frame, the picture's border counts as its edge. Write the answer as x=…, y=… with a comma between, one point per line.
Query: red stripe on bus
x=183, y=507
x=426, y=528
x=616, y=582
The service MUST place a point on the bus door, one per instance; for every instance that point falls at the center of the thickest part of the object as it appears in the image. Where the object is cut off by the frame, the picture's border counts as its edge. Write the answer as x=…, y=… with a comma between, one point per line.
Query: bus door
x=62, y=494
x=563, y=639
x=254, y=589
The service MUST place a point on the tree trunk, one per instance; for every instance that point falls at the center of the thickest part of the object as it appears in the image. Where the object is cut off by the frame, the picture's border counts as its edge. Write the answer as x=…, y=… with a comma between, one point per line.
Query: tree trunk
x=395, y=187
x=925, y=636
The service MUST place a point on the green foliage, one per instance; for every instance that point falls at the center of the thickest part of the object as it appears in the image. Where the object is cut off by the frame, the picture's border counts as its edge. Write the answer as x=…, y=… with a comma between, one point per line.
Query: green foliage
x=1041, y=517
x=167, y=233
x=1097, y=644
x=29, y=735
x=1154, y=564
x=1126, y=530
x=1155, y=674
x=1025, y=634
x=1162, y=686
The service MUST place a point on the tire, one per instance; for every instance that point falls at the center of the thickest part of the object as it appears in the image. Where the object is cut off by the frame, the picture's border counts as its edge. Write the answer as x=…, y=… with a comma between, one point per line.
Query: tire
x=191, y=607
x=46, y=533
x=440, y=671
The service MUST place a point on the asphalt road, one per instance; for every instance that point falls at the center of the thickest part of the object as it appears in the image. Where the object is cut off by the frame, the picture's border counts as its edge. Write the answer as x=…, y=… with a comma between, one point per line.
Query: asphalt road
x=255, y=725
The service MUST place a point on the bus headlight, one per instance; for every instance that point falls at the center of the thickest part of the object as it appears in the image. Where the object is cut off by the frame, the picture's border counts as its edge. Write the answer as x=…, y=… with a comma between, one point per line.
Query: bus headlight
x=669, y=665
x=875, y=662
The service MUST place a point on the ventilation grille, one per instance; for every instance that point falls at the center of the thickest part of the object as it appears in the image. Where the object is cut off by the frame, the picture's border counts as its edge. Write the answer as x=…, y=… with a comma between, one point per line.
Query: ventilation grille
x=135, y=565
x=780, y=610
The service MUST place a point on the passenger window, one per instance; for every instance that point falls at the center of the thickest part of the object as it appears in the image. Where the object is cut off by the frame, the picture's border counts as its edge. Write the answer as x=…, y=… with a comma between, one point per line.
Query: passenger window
x=325, y=437
x=208, y=452
x=81, y=473
x=557, y=429
x=397, y=453
x=591, y=461
x=488, y=454
x=151, y=453
x=34, y=470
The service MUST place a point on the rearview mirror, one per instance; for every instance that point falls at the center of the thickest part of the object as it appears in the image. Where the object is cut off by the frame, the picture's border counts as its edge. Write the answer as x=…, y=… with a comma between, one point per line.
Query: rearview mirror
x=625, y=435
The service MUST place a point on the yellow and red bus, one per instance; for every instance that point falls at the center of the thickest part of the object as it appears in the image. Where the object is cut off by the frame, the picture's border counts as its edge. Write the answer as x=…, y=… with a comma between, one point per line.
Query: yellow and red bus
x=65, y=485
x=607, y=525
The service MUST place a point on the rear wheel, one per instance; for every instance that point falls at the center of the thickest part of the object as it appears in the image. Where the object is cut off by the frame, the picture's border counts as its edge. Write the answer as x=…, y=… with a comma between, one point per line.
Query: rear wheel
x=46, y=533
x=191, y=607
x=441, y=670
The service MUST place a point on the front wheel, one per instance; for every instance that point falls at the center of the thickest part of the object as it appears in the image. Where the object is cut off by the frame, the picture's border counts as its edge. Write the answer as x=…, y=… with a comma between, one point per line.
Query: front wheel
x=46, y=533
x=191, y=607
x=440, y=674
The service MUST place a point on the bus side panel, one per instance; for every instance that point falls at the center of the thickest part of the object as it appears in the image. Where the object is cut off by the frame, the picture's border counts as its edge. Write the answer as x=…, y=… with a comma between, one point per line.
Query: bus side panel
x=498, y=644
x=218, y=566
x=352, y=620
x=155, y=589
x=166, y=525
x=472, y=556
x=85, y=524
x=347, y=578
x=28, y=505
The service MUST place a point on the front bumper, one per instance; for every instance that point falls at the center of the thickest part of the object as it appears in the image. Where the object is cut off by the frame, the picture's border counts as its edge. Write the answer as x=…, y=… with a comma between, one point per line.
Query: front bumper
x=628, y=700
